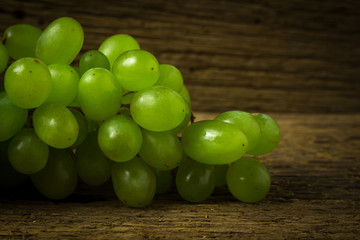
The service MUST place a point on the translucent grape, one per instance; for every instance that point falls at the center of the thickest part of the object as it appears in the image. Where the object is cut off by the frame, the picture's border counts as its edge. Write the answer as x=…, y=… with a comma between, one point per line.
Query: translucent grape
x=158, y=108
x=92, y=165
x=21, y=39
x=65, y=81
x=270, y=135
x=60, y=42
x=9, y=177
x=126, y=99
x=28, y=82
x=248, y=180
x=58, y=179
x=220, y=174
x=115, y=45
x=214, y=142
x=136, y=70
x=164, y=180
x=83, y=127
x=27, y=153
x=12, y=118
x=120, y=138
x=170, y=77
x=55, y=125
x=195, y=181
x=134, y=182
x=161, y=150
x=4, y=57
x=93, y=59
x=99, y=94
x=185, y=122
x=185, y=94
x=246, y=122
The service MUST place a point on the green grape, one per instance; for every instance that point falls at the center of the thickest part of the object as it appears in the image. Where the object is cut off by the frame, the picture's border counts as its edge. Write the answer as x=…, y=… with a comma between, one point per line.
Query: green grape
x=161, y=150
x=220, y=174
x=136, y=70
x=92, y=125
x=12, y=117
x=158, y=108
x=58, y=179
x=214, y=142
x=93, y=59
x=83, y=127
x=164, y=180
x=120, y=138
x=185, y=122
x=126, y=99
x=248, y=180
x=247, y=124
x=117, y=44
x=28, y=82
x=195, y=181
x=75, y=102
x=27, y=153
x=92, y=165
x=170, y=77
x=21, y=39
x=270, y=135
x=4, y=57
x=55, y=125
x=65, y=81
x=125, y=111
x=134, y=182
x=77, y=69
x=60, y=42
x=9, y=177
x=185, y=94
x=99, y=94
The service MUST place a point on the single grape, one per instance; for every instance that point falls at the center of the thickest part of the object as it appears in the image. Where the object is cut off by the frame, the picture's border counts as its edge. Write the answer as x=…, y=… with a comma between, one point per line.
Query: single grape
x=136, y=70
x=55, y=125
x=120, y=138
x=4, y=57
x=195, y=181
x=99, y=94
x=220, y=174
x=164, y=180
x=92, y=165
x=214, y=142
x=158, y=108
x=161, y=150
x=60, y=42
x=93, y=59
x=92, y=124
x=134, y=182
x=185, y=122
x=248, y=180
x=270, y=135
x=65, y=82
x=9, y=177
x=117, y=44
x=21, y=39
x=12, y=117
x=58, y=179
x=27, y=153
x=170, y=77
x=83, y=127
x=185, y=94
x=126, y=99
x=247, y=124
x=28, y=82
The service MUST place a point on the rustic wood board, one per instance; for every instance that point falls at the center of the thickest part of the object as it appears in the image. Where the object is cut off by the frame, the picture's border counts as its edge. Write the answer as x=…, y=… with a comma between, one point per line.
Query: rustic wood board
x=280, y=56
x=315, y=193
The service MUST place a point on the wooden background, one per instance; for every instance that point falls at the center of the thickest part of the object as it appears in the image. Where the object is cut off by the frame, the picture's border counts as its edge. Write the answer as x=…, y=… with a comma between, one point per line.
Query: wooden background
x=296, y=60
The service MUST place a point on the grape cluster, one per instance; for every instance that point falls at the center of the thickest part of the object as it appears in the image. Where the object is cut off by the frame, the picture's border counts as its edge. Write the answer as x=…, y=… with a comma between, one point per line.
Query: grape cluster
x=120, y=115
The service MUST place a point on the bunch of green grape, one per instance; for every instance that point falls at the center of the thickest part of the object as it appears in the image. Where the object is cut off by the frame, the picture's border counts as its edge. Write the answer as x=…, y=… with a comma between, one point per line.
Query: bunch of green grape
x=118, y=115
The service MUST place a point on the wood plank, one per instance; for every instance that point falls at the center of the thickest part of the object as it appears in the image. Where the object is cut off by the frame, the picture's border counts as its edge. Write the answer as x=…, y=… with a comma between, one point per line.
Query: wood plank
x=279, y=56
x=315, y=193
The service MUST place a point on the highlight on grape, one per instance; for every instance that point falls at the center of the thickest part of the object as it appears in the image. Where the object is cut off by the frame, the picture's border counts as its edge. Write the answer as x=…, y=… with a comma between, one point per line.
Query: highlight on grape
x=120, y=115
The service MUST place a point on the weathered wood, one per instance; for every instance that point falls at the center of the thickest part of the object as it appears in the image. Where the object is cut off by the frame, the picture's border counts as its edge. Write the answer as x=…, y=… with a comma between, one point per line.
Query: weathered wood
x=279, y=56
x=315, y=194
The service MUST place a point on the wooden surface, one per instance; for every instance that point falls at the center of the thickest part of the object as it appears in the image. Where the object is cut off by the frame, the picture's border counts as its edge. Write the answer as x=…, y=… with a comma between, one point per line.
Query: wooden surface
x=259, y=56
x=314, y=194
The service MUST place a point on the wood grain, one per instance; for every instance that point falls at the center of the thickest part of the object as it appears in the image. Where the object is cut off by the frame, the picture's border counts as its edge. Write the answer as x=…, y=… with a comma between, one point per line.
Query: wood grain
x=258, y=56
x=315, y=194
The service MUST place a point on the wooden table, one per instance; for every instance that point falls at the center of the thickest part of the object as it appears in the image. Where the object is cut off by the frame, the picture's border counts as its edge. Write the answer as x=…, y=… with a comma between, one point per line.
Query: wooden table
x=314, y=194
